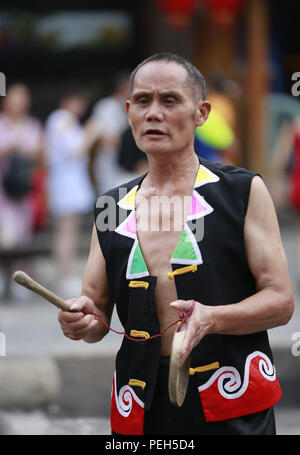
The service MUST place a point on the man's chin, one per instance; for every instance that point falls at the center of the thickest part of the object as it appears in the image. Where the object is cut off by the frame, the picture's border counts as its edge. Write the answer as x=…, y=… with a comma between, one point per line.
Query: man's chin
x=156, y=147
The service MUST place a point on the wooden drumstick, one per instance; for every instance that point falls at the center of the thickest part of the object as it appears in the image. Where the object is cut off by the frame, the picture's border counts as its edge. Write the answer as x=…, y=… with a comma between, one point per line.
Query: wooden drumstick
x=178, y=377
x=24, y=280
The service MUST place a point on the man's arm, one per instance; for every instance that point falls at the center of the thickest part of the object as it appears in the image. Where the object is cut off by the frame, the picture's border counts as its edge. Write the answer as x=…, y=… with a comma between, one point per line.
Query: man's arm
x=95, y=298
x=273, y=304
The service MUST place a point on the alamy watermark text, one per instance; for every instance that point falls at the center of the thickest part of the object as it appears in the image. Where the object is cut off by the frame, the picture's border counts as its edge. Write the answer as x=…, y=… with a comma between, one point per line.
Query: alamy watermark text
x=2, y=344
x=296, y=85
x=2, y=84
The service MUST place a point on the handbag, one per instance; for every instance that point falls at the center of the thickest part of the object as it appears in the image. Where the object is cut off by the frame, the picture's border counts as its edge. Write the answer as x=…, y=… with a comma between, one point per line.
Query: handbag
x=17, y=179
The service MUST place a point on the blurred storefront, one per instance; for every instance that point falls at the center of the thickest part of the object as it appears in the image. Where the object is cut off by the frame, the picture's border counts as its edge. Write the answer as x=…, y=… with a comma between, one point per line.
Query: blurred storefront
x=69, y=45
x=251, y=44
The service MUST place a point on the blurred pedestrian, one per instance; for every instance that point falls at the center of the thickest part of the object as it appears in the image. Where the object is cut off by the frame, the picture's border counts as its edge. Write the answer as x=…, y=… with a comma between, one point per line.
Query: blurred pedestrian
x=110, y=114
x=217, y=139
x=69, y=188
x=214, y=138
x=285, y=172
x=281, y=111
x=20, y=145
x=131, y=159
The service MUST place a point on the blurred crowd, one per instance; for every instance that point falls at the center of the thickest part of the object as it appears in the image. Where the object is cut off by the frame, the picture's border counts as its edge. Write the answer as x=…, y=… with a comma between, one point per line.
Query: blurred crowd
x=46, y=176
x=54, y=170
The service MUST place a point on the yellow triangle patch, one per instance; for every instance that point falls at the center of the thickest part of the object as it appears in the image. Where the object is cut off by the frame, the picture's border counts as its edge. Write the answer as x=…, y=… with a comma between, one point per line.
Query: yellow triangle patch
x=204, y=175
x=128, y=201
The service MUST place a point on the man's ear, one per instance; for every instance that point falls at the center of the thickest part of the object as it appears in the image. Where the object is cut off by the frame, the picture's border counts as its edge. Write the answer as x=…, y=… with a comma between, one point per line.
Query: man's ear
x=203, y=110
x=127, y=106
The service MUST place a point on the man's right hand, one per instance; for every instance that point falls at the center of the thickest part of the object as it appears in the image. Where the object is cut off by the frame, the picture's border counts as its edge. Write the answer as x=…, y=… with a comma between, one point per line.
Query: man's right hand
x=77, y=325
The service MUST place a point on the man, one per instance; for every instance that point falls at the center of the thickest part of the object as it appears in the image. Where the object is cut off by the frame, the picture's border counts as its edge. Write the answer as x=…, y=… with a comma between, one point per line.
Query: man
x=232, y=265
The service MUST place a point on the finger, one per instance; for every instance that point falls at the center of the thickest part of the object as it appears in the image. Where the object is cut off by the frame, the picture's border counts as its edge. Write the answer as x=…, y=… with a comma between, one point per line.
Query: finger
x=187, y=346
x=79, y=334
x=193, y=336
x=67, y=316
x=72, y=336
x=181, y=305
x=78, y=325
x=79, y=304
x=190, y=339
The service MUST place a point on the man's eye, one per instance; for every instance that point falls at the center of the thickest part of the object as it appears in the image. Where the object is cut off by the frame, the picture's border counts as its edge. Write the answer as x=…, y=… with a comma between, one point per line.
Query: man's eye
x=170, y=100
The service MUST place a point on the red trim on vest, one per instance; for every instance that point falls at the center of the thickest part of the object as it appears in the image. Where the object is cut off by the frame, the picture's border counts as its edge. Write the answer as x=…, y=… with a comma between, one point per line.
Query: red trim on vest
x=127, y=411
x=225, y=400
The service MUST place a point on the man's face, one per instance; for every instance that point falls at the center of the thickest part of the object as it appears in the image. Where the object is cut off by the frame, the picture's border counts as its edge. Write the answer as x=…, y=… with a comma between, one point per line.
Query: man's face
x=163, y=110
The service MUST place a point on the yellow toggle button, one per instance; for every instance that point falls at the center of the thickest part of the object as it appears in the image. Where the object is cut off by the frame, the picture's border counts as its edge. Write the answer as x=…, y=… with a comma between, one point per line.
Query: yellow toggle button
x=203, y=368
x=139, y=334
x=137, y=382
x=182, y=270
x=138, y=284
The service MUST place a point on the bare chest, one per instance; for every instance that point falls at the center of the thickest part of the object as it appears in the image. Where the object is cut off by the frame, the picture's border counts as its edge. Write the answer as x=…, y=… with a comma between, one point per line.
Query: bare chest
x=160, y=223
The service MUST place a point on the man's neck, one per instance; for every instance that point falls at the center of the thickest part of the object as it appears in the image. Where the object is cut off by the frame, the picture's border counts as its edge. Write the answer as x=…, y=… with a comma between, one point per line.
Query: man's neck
x=174, y=171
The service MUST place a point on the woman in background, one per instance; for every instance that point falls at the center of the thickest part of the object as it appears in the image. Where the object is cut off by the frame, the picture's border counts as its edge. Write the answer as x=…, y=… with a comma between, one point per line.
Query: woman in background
x=20, y=146
x=69, y=188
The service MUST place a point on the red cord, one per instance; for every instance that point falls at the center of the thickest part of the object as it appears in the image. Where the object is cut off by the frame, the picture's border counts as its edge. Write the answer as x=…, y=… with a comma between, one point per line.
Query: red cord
x=181, y=320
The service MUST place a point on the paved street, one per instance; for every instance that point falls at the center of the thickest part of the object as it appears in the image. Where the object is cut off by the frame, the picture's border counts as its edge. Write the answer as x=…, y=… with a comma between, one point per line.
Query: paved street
x=52, y=385
x=39, y=423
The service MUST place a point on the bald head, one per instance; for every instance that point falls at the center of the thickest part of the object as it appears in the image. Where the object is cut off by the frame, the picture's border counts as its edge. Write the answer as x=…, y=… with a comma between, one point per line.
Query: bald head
x=195, y=79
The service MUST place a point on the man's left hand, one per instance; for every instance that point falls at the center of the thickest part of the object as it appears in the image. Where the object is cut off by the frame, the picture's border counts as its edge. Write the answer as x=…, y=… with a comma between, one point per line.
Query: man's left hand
x=199, y=324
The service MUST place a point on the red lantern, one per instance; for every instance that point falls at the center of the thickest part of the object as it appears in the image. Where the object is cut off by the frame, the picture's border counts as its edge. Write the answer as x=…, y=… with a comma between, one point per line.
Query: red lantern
x=177, y=6
x=224, y=12
x=178, y=12
x=225, y=5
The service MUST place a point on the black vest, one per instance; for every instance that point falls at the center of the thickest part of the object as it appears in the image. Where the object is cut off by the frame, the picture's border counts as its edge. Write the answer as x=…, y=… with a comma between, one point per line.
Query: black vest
x=209, y=265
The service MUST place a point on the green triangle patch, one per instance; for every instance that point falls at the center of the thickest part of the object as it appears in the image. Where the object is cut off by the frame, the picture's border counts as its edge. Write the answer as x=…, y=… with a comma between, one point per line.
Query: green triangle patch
x=138, y=264
x=184, y=248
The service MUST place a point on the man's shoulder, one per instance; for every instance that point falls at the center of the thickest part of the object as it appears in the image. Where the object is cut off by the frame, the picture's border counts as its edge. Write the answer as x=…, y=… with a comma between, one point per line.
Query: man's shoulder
x=124, y=188
x=225, y=169
x=234, y=182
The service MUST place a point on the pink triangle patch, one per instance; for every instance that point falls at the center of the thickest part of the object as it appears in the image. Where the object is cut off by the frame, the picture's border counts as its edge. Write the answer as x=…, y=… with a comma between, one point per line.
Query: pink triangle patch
x=196, y=206
x=130, y=226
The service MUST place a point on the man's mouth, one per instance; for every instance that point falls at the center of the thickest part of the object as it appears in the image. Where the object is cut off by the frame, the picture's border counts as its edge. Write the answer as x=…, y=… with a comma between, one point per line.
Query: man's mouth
x=154, y=132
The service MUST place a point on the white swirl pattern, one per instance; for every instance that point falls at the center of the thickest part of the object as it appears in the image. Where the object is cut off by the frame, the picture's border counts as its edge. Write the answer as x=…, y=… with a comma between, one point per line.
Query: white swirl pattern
x=234, y=388
x=124, y=400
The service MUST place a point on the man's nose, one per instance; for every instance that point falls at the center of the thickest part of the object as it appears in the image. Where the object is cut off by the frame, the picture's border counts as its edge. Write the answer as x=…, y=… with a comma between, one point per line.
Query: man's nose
x=154, y=112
